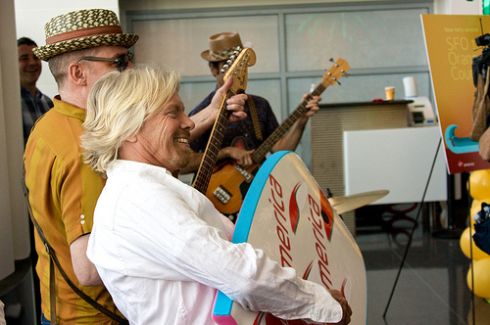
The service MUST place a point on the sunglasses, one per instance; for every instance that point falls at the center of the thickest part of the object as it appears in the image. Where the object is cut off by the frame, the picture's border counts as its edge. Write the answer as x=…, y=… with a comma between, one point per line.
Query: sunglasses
x=121, y=61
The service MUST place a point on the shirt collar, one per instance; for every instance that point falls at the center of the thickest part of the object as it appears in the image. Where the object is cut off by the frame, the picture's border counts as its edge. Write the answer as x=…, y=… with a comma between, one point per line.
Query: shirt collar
x=24, y=92
x=138, y=168
x=69, y=109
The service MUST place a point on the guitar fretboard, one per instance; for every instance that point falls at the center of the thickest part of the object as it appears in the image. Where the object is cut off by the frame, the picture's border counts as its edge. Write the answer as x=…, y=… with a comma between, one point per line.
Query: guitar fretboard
x=213, y=147
x=259, y=154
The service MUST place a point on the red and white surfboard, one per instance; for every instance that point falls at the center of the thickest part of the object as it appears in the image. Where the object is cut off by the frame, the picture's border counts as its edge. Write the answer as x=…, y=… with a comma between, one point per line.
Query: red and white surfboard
x=286, y=214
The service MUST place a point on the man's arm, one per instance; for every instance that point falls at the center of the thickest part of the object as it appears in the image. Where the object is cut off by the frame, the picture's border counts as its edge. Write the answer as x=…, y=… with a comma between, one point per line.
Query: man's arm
x=241, y=156
x=85, y=271
x=291, y=139
x=206, y=117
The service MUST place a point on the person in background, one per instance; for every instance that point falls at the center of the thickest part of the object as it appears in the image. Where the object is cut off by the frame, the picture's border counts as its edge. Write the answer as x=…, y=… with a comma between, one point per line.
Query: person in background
x=34, y=102
x=159, y=245
x=242, y=136
x=81, y=47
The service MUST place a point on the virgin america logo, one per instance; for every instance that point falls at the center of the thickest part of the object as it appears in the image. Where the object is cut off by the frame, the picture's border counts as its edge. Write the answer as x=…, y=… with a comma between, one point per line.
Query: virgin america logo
x=320, y=216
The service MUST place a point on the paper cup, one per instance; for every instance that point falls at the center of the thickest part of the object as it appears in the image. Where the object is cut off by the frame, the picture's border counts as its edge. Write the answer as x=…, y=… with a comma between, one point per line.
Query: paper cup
x=390, y=93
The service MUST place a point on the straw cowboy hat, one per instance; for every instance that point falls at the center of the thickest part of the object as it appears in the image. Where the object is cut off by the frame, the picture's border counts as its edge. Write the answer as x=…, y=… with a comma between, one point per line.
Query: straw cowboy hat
x=83, y=29
x=221, y=46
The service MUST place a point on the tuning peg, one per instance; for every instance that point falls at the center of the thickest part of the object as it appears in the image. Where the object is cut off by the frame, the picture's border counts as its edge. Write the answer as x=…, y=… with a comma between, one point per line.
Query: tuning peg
x=338, y=82
x=346, y=74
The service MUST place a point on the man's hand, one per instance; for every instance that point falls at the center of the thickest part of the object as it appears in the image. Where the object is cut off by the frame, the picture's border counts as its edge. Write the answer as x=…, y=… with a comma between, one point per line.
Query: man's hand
x=291, y=139
x=312, y=106
x=235, y=104
x=205, y=119
x=346, y=310
x=241, y=156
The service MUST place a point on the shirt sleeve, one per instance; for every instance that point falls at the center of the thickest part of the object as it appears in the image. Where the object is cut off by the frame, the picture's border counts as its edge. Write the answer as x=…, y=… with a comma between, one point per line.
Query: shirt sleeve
x=78, y=187
x=171, y=236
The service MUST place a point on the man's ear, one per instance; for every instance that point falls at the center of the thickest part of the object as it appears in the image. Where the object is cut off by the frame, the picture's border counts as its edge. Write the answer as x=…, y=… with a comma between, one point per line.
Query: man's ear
x=77, y=74
x=132, y=139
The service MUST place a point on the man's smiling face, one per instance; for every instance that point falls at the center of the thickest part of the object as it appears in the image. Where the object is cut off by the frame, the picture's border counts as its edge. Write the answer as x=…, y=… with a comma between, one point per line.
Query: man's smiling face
x=164, y=137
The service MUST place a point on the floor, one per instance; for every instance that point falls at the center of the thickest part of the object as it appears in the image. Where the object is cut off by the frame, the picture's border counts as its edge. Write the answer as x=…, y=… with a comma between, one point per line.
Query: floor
x=432, y=285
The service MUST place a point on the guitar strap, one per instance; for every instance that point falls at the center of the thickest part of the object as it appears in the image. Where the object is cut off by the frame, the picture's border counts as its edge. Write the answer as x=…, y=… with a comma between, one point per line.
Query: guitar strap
x=53, y=261
x=255, y=119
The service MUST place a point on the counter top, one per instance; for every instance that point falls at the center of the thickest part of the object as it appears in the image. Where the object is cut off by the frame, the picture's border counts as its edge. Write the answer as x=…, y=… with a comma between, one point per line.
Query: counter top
x=371, y=103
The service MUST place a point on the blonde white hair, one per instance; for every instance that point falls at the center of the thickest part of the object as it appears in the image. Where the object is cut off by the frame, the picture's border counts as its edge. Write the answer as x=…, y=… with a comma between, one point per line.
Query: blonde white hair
x=118, y=105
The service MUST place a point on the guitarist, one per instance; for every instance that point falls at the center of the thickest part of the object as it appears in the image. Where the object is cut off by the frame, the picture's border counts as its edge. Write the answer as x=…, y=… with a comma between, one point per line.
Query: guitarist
x=242, y=137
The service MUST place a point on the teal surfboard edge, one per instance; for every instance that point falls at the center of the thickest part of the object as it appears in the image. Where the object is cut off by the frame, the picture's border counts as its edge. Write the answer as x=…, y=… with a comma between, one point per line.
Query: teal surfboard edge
x=223, y=304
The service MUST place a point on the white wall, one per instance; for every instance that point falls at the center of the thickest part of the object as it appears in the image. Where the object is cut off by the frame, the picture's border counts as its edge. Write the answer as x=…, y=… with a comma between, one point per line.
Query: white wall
x=32, y=15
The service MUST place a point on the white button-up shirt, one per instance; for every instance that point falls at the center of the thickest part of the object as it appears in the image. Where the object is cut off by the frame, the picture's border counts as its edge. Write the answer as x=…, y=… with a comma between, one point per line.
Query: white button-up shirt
x=162, y=250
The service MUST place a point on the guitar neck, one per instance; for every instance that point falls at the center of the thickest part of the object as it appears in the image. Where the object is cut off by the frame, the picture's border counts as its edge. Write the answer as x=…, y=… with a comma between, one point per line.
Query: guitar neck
x=259, y=154
x=208, y=162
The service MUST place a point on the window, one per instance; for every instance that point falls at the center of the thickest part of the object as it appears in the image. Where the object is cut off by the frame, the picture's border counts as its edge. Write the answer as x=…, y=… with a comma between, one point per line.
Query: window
x=382, y=43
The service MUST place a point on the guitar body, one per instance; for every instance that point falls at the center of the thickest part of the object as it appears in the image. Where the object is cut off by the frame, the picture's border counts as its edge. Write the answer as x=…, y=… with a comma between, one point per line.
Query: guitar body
x=228, y=186
x=286, y=215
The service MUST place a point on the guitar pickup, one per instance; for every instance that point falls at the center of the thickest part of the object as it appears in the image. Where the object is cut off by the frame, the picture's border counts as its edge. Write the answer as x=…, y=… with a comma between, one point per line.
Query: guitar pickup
x=222, y=195
x=248, y=177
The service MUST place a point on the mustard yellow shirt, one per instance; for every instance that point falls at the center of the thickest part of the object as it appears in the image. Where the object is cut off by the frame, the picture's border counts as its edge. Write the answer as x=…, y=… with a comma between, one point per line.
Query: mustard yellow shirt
x=63, y=192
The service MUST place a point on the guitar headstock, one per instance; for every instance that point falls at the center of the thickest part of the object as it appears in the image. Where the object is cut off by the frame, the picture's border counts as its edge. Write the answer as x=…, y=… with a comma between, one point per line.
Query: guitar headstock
x=237, y=68
x=337, y=70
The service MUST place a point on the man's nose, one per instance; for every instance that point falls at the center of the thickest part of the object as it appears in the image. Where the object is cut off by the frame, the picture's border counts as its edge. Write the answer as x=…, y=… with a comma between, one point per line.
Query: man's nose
x=188, y=123
x=33, y=60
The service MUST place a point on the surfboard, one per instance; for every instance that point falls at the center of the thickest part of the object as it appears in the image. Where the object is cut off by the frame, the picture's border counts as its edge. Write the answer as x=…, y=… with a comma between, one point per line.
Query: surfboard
x=286, y=214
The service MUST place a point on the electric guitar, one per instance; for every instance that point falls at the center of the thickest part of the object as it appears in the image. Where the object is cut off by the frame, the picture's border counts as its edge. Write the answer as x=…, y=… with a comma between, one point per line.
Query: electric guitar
x=235, y=68
x=230, y=181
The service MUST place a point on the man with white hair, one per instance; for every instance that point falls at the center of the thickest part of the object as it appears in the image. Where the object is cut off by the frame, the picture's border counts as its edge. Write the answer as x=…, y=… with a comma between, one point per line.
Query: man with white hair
x=160, y=246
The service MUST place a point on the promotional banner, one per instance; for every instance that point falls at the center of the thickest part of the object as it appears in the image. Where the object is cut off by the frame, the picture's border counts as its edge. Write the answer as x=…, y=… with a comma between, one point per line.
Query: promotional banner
x=286, y=214
x=451, y=47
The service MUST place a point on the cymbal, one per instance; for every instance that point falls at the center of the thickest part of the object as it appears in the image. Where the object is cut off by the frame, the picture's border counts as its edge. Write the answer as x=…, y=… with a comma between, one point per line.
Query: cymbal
x=347, y=203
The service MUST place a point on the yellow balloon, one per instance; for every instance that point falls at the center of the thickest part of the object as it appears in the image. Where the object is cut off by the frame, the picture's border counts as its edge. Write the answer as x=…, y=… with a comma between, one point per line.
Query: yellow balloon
x=479, y=183
x=481, y=278
x=464, y=244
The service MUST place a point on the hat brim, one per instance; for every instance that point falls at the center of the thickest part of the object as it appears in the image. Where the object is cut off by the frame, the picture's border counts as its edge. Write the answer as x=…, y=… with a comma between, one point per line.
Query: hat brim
x=212, y=57
x=46, y=52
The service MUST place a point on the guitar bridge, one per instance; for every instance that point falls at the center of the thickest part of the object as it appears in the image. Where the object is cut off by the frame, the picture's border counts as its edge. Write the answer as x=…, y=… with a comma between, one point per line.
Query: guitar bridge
x=222, y=195
x=248, y=177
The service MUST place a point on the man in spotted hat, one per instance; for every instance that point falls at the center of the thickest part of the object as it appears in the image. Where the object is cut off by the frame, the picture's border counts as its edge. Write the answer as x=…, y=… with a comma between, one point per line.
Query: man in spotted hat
x=81, y=47
x=242, y=136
